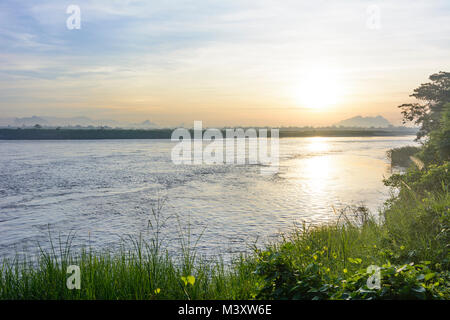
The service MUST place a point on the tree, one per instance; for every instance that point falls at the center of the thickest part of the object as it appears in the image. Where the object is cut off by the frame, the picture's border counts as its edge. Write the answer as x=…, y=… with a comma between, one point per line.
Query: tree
x=432, y=96
x=437, y=148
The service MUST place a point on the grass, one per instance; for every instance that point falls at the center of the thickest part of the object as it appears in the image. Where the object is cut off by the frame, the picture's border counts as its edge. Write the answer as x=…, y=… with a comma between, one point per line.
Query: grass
x=137, y=273
x=139, y=270
x=310, y=263
x=408, y=243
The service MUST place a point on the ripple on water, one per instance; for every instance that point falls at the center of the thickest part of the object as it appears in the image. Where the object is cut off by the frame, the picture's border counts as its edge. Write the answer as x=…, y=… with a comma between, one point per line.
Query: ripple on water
x=104, y=191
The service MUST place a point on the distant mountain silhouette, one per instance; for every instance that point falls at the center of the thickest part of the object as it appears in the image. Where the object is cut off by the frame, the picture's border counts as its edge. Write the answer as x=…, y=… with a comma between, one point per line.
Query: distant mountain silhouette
x=146, y=124
x=365, y=122
x=73, y=122
x=30, y=121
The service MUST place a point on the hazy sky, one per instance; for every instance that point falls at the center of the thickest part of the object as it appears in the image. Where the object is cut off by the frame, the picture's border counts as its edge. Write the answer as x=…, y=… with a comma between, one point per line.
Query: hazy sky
x=224, y=62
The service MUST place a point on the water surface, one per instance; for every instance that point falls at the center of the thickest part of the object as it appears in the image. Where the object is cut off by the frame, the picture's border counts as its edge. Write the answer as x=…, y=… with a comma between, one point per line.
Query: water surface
x=104, y=190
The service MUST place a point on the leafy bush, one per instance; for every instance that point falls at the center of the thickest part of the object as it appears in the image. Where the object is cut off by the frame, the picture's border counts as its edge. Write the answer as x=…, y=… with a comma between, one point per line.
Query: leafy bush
x=435, y=178
x=409, y=282
x=401, y=156
x=284, y=280
x=330, y=262
x=437, y=148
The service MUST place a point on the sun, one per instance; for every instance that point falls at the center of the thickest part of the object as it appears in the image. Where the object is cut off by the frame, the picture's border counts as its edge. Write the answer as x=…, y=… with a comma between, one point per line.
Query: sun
x=318, y=90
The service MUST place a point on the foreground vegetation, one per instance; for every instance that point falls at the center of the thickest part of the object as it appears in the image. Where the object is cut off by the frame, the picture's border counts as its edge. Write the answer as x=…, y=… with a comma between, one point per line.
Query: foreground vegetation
x=410, y=246
x=407, y=243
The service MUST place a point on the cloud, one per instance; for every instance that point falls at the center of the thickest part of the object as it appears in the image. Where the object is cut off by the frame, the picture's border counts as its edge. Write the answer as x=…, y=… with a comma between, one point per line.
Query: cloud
x=237, y=52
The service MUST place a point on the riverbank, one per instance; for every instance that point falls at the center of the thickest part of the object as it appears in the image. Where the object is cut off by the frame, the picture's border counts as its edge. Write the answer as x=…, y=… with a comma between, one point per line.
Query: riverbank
x=98, y=134
x=409, y=245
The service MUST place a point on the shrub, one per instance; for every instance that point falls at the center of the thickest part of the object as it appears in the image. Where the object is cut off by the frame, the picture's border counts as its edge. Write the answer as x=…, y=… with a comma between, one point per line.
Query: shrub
x=401, y=156
x=409, y=282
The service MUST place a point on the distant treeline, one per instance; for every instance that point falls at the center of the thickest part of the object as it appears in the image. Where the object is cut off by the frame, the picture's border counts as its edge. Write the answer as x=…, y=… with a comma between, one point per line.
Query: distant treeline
x=94, y=134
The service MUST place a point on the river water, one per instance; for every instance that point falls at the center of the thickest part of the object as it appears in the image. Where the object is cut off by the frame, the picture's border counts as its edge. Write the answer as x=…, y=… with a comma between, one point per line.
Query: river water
x=104, y=190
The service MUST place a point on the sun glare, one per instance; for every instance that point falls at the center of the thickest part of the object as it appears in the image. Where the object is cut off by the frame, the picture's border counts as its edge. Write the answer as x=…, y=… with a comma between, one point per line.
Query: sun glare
x=317, y=144
x=318, y=90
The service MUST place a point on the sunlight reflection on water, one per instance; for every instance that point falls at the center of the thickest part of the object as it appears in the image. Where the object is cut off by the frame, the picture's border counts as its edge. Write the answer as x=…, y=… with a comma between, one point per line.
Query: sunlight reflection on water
x=104, y=190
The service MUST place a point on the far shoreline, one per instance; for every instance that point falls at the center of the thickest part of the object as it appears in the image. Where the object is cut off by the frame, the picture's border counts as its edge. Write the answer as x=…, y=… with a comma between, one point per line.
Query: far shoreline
x=123, y=134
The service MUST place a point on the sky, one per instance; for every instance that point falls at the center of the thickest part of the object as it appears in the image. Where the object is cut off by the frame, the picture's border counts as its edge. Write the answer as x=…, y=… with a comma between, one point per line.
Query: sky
x=227, y=63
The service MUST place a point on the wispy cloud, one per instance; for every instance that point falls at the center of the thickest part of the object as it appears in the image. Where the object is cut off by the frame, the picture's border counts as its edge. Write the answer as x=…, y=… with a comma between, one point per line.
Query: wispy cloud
x=230, y=55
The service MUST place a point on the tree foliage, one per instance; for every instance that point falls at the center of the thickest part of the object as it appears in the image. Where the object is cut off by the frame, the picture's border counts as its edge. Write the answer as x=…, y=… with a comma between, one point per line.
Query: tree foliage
x=437, y=148
x=432, y=97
